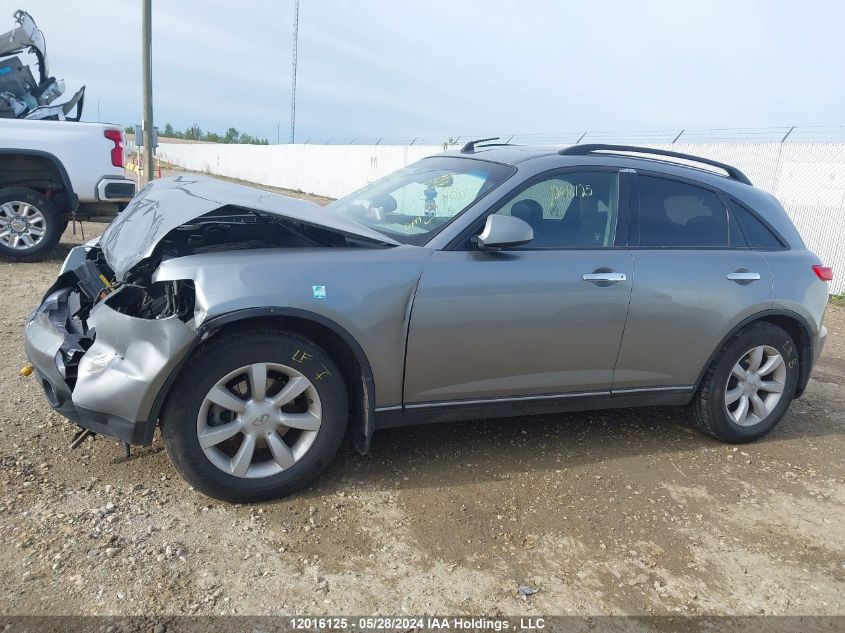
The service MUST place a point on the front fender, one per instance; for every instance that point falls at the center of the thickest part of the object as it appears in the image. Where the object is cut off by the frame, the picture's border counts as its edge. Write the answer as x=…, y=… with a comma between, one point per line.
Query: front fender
x=366, y=292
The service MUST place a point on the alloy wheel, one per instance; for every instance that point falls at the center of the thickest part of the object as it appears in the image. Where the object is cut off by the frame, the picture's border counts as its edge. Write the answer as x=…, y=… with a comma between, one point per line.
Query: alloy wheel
x=22, y=225
x=259, y=420
x=755, y=385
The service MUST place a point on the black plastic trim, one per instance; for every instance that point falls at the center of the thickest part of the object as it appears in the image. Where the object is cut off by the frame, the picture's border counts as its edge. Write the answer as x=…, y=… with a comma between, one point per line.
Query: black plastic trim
x=121, y=190
x=457, y=411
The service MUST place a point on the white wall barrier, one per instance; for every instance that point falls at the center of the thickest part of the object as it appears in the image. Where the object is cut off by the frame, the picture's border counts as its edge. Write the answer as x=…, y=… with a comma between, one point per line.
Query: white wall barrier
x=324, y=170
x=808, y=178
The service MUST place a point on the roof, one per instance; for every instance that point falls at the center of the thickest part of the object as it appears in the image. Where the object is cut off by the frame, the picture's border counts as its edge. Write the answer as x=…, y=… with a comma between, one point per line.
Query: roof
x=515, y=154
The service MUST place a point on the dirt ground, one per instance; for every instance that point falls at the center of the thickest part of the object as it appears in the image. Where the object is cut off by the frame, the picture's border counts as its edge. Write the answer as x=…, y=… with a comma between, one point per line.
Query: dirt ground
x=620, y=512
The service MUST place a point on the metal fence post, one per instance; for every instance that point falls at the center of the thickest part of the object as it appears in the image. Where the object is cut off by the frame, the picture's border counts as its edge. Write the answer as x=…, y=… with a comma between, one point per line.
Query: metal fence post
x=783, y=140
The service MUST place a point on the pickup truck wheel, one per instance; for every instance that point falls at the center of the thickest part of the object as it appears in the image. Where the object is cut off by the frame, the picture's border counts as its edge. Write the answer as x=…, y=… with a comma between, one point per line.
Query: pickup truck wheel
x=255, y=415
x=749, y=386
x=30, y=225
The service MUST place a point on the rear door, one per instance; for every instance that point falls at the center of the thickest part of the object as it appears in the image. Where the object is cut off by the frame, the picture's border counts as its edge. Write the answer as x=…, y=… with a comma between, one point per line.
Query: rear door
x=538, y=320
x=694, y=280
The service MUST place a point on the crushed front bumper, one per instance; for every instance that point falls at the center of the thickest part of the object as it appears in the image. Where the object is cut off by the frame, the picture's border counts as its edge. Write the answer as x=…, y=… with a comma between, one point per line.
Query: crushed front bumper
x=112, y=387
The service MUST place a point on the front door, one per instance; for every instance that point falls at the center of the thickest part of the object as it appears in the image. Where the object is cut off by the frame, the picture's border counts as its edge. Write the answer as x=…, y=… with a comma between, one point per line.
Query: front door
x=542, y=319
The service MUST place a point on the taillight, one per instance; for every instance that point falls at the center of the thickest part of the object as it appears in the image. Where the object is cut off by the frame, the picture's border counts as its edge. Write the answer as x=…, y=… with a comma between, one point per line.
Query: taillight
x=825, y=273
x=116, y=137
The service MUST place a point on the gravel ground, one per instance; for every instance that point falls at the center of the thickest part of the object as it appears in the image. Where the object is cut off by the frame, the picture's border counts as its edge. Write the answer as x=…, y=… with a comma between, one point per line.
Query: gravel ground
x=619, y=512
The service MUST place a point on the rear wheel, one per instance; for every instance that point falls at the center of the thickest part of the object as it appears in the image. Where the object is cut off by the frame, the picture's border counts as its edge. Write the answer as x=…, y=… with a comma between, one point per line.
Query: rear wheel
x=255, y=415
x=749, y=386
x=30, y=226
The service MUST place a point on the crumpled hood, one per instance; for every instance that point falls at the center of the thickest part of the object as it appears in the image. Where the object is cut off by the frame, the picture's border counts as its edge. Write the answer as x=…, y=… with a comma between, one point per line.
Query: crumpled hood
x=167, y=203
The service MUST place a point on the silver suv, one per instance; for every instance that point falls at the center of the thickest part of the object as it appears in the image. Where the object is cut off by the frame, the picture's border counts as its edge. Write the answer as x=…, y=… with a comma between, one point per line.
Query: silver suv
x=257, y=330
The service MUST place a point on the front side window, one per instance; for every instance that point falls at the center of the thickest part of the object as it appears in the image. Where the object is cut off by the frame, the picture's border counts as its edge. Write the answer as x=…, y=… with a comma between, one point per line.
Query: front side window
x=413, y=204
x=569, y=210
x=676, y=214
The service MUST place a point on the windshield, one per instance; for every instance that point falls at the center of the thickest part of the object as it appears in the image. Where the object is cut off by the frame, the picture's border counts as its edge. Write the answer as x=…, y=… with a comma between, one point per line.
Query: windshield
x=413, y=204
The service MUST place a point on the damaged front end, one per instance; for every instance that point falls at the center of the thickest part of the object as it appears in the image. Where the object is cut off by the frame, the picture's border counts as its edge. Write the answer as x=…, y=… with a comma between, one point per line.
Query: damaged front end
x=102, y=351
x=109, y=337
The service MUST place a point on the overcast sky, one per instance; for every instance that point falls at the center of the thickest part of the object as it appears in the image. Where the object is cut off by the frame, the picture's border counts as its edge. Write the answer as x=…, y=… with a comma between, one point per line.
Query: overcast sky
x=403, y=69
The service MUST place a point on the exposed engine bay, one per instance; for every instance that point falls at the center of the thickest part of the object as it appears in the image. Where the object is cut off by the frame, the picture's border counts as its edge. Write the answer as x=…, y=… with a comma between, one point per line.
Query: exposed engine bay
x=87, y=279
x=232, y=229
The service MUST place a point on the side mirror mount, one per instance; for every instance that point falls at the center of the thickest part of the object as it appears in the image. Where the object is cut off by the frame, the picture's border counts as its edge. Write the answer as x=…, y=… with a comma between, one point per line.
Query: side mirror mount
x=503, y=231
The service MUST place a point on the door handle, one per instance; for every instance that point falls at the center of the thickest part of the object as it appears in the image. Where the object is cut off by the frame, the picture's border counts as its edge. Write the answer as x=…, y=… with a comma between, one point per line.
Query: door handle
x=605, y=277
x=743, y=276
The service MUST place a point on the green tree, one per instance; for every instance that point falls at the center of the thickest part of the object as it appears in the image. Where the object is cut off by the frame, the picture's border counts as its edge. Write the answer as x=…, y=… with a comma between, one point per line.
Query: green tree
x=194, y=132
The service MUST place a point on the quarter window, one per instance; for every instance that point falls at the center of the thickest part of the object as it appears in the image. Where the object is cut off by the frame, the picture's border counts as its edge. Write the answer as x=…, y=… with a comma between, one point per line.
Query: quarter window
x=677, y=214
x=569, y=210
x=757, y=234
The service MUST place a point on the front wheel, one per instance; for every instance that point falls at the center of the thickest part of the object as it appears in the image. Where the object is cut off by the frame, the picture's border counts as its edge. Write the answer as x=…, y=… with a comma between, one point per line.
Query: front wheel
x=255, y=415
x=749, y=386
x=30, y=226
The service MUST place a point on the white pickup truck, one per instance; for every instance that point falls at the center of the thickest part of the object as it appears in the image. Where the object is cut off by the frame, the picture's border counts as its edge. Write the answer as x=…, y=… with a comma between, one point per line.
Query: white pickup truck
x=51, y=172
x=52, y=167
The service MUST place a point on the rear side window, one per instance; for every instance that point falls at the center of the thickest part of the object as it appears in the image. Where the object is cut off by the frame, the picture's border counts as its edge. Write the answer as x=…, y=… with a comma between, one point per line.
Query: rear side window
x=677, y=214
x=757, y=234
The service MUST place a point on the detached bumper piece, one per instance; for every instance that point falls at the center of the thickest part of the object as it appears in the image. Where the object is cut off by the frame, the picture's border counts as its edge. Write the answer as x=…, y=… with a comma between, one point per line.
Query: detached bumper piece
x=103, y=372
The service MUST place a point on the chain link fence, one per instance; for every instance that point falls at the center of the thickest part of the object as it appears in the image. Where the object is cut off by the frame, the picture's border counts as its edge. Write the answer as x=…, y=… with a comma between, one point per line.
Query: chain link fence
x=781, y=134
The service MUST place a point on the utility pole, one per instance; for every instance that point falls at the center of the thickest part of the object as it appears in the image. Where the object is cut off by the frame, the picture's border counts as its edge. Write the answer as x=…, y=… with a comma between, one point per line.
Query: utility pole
x=293, y=73
x=147, y=85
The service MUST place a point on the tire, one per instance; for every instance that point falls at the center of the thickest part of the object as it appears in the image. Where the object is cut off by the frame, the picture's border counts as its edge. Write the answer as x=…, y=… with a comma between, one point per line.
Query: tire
x=717, y=407
x=189, y=412
x=41, y=215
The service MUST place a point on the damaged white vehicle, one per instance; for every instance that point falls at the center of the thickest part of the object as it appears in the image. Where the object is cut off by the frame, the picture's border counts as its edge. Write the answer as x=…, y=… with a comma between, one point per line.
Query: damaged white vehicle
x=22, y=96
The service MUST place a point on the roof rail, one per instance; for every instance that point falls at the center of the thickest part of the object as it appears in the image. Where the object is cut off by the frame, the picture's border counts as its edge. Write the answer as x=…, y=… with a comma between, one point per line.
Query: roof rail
x=469, y=148
x=590, y=148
